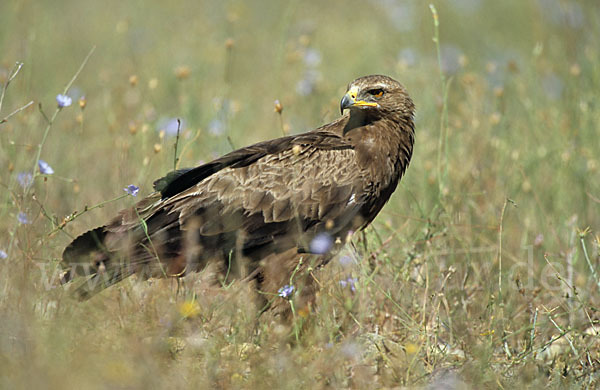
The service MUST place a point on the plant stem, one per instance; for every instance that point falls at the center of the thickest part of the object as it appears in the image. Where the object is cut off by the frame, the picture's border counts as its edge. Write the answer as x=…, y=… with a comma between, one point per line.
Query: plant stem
x=443, y=138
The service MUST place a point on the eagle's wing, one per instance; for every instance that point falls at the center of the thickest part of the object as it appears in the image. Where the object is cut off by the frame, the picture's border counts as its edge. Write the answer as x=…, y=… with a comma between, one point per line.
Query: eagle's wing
x=264, y=198
x=305, y=185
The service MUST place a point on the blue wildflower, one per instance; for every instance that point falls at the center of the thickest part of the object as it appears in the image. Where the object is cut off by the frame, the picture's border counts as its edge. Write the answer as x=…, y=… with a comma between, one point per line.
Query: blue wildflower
x=349, y=282
x=132, y=190
x=286, y=291
x=321, y=244
x=170, y=126
x=63, y=100
x=45, y=168
x=25, y=179
x=3, y=255
x=23, y=218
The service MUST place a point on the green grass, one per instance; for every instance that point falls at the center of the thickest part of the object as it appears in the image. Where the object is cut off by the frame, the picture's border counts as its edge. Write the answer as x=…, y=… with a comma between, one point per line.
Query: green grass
x=482, y=269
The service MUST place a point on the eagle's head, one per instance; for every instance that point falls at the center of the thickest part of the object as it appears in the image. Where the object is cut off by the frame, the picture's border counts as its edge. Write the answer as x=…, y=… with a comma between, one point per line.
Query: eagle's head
x=377, y=96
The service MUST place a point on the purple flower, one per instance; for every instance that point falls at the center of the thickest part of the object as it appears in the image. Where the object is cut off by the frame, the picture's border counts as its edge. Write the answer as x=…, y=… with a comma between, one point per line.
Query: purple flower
x=3, y=255
x=132, y=190
x=321, y=244
x=25, y=179
x=349, y=282
x=63, y=100
x=286, y=291
x=23, y=218
x=45, y=168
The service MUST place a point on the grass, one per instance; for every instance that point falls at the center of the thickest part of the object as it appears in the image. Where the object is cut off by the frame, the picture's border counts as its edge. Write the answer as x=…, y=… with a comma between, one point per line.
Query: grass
x=482, y=269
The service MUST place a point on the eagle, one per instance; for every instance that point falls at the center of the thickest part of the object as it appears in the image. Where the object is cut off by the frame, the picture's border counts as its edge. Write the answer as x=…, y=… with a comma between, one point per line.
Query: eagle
x=261, y=211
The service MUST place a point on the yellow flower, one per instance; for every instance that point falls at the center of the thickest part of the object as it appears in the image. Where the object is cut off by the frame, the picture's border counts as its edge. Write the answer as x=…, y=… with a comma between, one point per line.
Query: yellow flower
x=189, y=309
x=411, y=348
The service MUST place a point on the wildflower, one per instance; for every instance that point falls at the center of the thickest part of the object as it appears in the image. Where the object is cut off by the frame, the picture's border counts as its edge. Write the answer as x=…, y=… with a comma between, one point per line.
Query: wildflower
x=170, y=126
x=25, y=179
x=63, y=100
x=286, y=291
x=3, y=255
x=189, y=309
x=23, y=218
x=132, y=190
x=82, y=102
x=45, y=168
x=349, y=282
x=411, y=348
x=321, y=244
x=278, y=107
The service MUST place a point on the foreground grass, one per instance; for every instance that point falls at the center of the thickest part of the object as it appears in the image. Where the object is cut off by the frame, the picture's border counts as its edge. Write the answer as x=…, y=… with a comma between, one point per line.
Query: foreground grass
x=482, y=269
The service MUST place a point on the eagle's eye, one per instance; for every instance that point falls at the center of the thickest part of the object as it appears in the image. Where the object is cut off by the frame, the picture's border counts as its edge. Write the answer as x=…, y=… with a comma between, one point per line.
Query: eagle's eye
x=378, y=92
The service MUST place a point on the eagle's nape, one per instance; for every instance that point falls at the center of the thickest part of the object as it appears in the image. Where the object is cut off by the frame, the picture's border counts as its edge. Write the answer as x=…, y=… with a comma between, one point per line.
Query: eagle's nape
x=256, y=210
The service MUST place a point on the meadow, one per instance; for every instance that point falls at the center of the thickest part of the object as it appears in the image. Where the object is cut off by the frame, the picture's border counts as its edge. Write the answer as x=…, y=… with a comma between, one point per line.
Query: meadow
x=481, y=272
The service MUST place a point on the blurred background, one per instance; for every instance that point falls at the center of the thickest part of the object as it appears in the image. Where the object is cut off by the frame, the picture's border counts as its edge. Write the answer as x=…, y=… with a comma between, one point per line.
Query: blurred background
x=483, y=261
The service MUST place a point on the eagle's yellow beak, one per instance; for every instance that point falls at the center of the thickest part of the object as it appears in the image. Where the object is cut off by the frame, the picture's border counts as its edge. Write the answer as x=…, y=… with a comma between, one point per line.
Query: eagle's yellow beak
x=349, y=100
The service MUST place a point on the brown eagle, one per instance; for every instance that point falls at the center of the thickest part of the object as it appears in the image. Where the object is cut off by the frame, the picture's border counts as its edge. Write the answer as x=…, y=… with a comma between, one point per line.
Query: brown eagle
x=260, y=209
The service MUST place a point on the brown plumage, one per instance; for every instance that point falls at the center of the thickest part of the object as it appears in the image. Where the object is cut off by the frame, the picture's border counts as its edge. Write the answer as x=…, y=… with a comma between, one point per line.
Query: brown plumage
x=256, y=210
